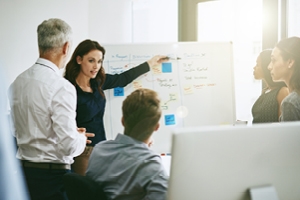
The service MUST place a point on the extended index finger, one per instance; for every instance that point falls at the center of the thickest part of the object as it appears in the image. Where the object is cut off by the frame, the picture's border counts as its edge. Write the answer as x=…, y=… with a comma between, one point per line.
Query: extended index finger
x=89, y=134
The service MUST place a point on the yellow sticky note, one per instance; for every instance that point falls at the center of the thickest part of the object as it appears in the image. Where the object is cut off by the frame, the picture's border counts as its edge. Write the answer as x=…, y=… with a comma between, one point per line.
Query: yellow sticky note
x=157, y=69
x=137, y=84
x=173, y=96
x=188, y=89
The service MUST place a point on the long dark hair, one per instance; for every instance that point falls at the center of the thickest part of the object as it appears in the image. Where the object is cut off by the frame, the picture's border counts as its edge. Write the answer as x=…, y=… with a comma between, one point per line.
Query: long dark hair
x=265, y=57
x=290, y=49
x=73, y=68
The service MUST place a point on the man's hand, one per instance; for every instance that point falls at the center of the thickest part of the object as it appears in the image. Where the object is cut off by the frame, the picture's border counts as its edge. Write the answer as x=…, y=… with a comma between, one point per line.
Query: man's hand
x=87, y=135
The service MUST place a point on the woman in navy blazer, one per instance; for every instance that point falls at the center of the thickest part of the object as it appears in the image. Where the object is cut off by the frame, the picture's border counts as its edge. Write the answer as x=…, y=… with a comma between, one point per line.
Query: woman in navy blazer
x=86, y=73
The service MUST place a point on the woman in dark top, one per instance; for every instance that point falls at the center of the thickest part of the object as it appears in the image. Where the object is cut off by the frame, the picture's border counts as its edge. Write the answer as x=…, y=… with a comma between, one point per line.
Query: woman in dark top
x=86, y=73
x=267, y=106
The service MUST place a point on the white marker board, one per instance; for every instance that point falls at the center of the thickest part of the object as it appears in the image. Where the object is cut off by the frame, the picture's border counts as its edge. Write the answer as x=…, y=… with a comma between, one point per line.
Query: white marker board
x=195, y=90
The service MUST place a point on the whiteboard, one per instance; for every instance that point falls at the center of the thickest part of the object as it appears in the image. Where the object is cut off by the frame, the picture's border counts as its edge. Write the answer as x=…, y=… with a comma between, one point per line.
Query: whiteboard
x=195, y=90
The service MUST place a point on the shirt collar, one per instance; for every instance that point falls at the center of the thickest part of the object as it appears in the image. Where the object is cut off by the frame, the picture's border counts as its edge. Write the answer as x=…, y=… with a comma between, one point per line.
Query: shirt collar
x=124, y=139
x=48, y=63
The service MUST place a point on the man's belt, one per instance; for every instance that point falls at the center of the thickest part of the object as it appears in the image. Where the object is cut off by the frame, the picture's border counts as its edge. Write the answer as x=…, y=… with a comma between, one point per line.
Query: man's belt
x=26, y=163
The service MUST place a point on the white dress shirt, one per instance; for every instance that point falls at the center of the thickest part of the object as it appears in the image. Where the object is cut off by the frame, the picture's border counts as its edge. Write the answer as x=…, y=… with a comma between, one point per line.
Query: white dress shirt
x=43, y=109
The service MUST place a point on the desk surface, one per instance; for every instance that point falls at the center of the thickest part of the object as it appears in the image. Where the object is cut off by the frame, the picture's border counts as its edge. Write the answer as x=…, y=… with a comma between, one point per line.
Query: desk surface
x=166, y=161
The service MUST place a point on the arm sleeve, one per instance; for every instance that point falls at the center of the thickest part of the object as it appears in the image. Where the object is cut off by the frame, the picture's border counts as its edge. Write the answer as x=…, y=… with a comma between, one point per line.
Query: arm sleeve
x=289, y=112
x=156, y=189
x=123, y=79
x=11, y=113
x=70, y=142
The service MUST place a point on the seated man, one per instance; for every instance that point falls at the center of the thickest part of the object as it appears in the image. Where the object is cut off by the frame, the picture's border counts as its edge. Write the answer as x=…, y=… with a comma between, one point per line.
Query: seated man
x=125, y=167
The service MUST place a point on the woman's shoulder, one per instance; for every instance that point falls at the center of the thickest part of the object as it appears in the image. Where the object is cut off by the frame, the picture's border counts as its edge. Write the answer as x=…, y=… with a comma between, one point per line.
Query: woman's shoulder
x=283, y=91
x=292, y=97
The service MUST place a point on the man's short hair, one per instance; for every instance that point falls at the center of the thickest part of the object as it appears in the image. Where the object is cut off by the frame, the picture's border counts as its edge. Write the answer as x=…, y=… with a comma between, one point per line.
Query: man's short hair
x=53, y=34
x=141, y=113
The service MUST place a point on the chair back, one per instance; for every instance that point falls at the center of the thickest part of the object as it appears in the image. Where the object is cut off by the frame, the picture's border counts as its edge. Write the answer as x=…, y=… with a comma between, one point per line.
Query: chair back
x=80, y=187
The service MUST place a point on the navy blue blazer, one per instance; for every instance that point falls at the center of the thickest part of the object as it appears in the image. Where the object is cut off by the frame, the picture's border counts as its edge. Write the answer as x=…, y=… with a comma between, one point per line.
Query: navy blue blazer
x=91, y=106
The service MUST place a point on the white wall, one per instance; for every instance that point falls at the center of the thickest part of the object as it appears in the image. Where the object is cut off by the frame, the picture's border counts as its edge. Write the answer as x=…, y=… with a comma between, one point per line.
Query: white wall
x=133, y=21
x=154, y=21
x=110, y=21
x=19, y=20
x=107, y=21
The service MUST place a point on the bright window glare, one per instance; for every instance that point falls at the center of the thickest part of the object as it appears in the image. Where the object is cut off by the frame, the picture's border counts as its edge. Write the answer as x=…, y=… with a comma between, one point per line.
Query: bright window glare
x=293, y=18
x=240, y=22
x=215, y=21
x=154, y=21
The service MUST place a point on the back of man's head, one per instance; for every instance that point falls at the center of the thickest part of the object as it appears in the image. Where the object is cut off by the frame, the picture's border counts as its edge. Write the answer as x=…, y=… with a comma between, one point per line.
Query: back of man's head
x=141, y=113
x=53, y=34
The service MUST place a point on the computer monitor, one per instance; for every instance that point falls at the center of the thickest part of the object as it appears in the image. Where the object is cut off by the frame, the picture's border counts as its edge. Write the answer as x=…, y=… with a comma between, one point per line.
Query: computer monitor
x=222, y=163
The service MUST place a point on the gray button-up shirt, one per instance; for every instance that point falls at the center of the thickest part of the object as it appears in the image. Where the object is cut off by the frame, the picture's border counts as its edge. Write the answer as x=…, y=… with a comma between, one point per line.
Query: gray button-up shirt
x=128, y=169
x=290, y=107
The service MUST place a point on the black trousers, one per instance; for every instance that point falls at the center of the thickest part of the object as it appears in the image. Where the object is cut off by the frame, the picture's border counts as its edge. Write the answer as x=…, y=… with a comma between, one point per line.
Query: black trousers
x=45, y=184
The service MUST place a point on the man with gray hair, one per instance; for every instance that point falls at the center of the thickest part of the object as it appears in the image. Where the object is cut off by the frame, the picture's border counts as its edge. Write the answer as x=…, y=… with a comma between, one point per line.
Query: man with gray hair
x=43, y=106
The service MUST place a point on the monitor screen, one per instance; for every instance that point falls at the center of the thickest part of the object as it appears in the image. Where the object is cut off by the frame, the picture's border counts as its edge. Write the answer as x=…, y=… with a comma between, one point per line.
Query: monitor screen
x=224, y=162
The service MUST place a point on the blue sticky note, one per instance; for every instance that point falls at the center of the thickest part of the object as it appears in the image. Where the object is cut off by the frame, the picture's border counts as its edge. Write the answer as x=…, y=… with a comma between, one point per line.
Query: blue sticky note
x=167, y=67
x=169, y=120
x=119, y=91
